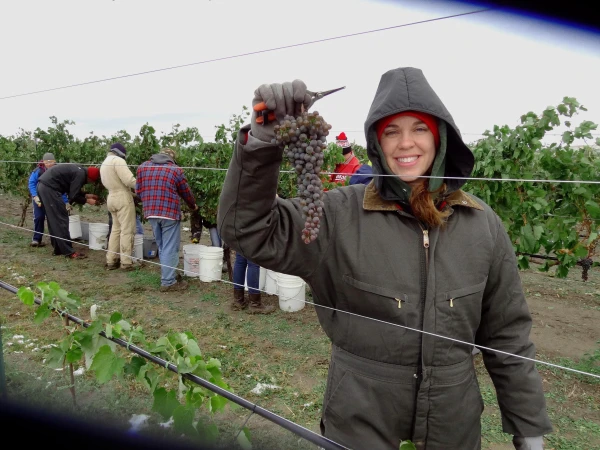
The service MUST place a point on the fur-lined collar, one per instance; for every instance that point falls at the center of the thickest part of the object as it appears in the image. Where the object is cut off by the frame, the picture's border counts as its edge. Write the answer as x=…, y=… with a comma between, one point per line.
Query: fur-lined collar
x=373, y=202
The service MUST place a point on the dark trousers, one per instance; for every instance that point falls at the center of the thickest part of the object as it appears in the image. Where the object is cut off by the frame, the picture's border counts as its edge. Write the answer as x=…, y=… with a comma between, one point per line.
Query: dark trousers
x=39, y=216
x=239, y=274
x=58, y=219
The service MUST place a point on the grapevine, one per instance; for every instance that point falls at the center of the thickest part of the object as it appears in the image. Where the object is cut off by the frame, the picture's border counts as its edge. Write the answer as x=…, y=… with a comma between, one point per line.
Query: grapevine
x=303, y=140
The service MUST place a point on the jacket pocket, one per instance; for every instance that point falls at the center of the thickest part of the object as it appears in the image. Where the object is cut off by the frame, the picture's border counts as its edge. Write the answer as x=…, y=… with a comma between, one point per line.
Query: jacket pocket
x=458, y=313
x=379, y=299
x=353, y=418
x=454, y=420
x=460, y=294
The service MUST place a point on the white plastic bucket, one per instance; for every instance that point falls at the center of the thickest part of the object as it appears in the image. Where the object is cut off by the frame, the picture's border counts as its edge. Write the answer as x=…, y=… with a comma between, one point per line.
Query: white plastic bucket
x=261, y=279
x=98, y=235
x=270, y=282
x=138, y=247
x=191, y=260
x=75, y=227
x=291, y=291
x=211, y=263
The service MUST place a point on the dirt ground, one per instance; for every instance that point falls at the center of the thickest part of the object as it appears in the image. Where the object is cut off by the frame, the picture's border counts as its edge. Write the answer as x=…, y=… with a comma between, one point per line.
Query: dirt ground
x=285, y=349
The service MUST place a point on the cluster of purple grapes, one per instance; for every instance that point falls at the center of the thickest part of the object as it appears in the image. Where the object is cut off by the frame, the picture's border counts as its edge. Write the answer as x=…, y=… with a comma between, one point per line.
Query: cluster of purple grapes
x=585, y=264
x=303, y=140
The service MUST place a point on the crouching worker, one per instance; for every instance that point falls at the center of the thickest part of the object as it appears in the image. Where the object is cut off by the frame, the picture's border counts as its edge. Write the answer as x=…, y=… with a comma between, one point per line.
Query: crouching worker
x=39, y=214
x=65, y=179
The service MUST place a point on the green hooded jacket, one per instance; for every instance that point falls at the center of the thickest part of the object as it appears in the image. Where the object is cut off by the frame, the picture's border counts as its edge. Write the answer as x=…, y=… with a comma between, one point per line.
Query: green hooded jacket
x=387, y=383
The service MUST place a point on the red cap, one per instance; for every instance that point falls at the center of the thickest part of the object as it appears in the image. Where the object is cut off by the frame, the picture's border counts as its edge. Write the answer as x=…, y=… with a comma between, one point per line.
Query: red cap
x=427, y=119
x=93, y=173
x=342, y=140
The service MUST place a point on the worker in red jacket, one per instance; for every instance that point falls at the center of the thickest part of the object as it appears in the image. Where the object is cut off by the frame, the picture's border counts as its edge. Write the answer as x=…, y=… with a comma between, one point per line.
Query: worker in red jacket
x=350, y=164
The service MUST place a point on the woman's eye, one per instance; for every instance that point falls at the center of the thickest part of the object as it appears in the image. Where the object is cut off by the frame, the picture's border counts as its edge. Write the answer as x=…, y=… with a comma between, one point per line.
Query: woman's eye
x=422, y=129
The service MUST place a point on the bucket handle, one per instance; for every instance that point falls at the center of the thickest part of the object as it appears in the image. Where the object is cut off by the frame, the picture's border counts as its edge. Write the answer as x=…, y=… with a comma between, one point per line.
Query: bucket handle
x=288, y=298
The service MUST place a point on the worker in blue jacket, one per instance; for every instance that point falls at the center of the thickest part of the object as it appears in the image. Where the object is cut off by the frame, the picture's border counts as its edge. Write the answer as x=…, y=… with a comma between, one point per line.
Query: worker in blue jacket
x=39, y=214
x=363, y=175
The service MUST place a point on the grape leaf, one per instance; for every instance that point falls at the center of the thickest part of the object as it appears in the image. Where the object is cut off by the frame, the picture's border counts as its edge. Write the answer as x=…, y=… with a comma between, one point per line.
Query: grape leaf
x=217, y=403
x=74, y=354
x=26, y=295
x=133, y=366
x=243, y=439
x=183, y=418
x=593, y=209
x=106, y=364
x=41, y=313
x=165, y=402
x=115, y=317
x=407, y=445
x=193, y=348
x=55, y=358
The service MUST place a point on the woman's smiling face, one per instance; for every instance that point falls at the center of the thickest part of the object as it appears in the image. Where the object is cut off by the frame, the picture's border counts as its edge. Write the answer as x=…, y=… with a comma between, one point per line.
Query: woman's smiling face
x=408, y=147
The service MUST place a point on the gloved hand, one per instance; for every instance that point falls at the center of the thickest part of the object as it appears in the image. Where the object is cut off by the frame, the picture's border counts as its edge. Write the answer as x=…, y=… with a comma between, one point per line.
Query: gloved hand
x=37, y=201
x=283, y=99
x=528, y=443
x=69, y=207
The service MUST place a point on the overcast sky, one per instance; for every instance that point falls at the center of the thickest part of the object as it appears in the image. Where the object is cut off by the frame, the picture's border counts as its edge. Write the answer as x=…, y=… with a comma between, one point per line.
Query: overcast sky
x=488, y=68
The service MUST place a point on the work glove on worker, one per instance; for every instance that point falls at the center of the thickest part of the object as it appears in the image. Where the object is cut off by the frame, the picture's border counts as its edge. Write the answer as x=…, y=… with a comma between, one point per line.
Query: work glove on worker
x=69, y=207
x=528, y=443
x=283, y=99
x=37, y=201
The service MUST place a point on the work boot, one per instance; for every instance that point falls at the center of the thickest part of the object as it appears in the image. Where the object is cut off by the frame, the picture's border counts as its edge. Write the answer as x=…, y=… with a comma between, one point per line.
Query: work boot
x=130, y=267
x=177, y=286
x=239, y=301
x=256, y=306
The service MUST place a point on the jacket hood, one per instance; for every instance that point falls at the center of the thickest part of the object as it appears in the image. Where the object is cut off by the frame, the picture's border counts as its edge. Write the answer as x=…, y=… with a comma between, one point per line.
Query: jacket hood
x=117, y=152
x=161, y=158
x=407, y=89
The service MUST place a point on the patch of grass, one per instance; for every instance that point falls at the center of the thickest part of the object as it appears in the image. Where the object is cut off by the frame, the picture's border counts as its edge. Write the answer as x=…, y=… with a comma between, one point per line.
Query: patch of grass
x=144, y=278
x=589, y=363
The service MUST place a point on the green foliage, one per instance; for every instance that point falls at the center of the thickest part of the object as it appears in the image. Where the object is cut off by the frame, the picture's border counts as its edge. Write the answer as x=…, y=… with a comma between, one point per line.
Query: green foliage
x=107, y=360
x=557, y=219
x=560, y=220
x=407, y=445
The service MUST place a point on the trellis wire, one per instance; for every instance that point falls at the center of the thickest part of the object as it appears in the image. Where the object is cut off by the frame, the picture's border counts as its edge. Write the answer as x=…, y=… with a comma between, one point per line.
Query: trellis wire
x=458, y=341
x=517, y=180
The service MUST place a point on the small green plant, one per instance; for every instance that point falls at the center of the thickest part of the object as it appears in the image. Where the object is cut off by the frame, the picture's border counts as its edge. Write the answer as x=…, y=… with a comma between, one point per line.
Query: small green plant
x=105, y=359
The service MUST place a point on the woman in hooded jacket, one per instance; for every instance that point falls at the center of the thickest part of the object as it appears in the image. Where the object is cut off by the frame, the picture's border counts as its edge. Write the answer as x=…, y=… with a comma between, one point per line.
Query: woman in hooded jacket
x=410, y=249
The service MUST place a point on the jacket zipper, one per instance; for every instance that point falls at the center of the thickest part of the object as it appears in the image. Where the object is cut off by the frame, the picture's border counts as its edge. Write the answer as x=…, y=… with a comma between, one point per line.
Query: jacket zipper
x=425, y=232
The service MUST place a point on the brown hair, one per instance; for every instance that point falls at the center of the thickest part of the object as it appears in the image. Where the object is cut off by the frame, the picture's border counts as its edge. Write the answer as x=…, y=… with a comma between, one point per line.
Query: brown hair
x=423, y=206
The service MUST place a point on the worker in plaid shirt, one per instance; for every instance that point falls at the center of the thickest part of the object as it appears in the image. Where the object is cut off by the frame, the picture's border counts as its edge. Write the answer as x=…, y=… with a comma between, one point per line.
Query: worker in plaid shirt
x=159, y=183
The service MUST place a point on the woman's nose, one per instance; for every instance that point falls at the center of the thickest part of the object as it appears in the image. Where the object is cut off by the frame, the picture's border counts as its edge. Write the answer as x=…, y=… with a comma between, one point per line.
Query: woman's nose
x=405, y=141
